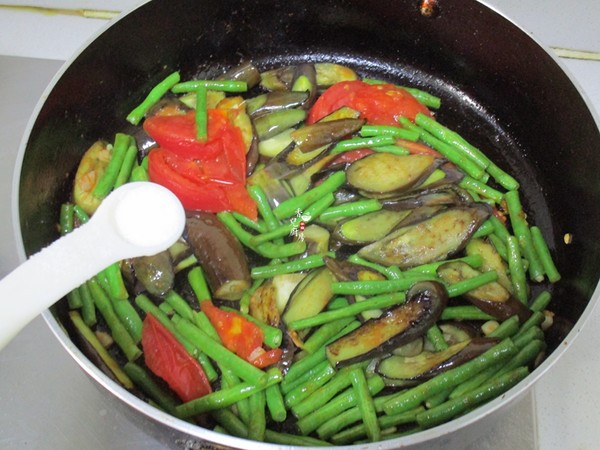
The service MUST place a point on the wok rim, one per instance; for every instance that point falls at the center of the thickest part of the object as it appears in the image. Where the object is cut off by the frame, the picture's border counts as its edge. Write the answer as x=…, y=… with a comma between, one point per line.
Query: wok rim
x=513, y=395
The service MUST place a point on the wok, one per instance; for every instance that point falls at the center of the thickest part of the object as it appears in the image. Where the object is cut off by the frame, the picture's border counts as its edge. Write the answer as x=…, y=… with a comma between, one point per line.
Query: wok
x=498, y=87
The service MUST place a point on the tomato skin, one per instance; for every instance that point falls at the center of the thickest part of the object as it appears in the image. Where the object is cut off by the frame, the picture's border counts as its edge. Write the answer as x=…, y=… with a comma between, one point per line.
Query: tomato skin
x=178, y=133
x=193, y=193
x=168, y=359
x=267, y=358
x=378, y=104
x=237, y=333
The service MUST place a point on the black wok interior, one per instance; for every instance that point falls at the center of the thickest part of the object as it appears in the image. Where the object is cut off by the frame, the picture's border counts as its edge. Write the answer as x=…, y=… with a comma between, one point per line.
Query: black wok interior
x=499, y=89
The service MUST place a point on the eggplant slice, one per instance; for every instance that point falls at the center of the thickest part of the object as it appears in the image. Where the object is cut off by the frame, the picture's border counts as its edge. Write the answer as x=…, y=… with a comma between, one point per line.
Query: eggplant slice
x=220, y=255
x=433, y=239
x=424, y=303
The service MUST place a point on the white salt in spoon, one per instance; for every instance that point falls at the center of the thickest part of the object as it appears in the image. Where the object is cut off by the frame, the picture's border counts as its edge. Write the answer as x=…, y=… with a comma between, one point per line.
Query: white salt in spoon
x=137, y=219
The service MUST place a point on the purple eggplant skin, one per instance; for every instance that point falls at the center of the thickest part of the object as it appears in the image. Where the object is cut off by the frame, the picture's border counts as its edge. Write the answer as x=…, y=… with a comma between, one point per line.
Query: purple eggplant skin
x=348, y=271
x=305, y=75
x=424, y=304
x=244, y=71
x=220, y=255
x=155, y=273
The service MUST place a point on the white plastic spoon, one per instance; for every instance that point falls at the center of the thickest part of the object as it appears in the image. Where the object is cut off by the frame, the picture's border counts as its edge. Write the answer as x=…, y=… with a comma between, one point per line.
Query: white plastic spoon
x=137, y=219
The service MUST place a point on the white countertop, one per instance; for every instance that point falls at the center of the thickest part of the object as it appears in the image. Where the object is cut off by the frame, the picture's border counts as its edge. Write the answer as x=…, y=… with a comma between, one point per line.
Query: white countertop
x=36, y=374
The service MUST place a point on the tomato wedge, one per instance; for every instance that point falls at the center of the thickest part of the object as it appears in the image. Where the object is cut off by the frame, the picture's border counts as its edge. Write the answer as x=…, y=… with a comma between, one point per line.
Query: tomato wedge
x=242, y=337
x=169, y=360
x=205, y=175
x=378, y=104
x=177, y=132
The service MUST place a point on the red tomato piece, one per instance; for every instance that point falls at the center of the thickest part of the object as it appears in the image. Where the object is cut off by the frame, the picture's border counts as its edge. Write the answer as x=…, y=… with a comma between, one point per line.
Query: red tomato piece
x=237, y=333
x=351, y=156
x=194, y=193
x=267, y=358
x=169, y=360
x=178, y=133
x=378, y=104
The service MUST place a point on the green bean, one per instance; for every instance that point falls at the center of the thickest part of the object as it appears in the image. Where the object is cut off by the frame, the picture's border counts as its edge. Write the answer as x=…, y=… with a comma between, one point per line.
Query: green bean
x=139, y=173
x=324, y=333
x=135, y=116
x=523, y=233
x=320, y=419
x=129, y=317
x=258, y=226
x=275, y=403
x=391, y=272
x=517, y=272
x=198, y=283
x=436, y=337
x=81, y=215
x=300, y=367
x=119, y=333
x=531, y=334
x=365, y=142
x=475, y=261
x=180, y=305
x=289, y=207
x=499, y=245
x=302, y=391
x=88, y=334
x=438, y=398
x=88, y=308
x=257, y=424
x=413, y=397
x=201, y=114
x=230, y=422
x=462, y=287
x=423, y=97
x=467, y=312
x=379, y=302
x=213, y=85
x=264, y=208
x=201, y=321
x=66, y=218
x=393, y=149
x=151, y=388
x=116, y=284
x=296, y=265
x=373, y=287
x=541, y=302
x=386, y=130
x=129, y=161
x=227, y=397
x=349, y=209
x=499, y=228
x=289, y=385
x=273, y=336
x=485, y=229
x=107, y=181
x=218, y=352
x=451, y=153
x=277, y=437
x=541, y=247
x=502, y=178
x=488, y=391
x=481, y=188
x=228, y=380
x=365, y=404
x=535, y=320
x=74, y=299
x=452, y=138
x=318, y=398
x=266, y=249
x=507, y=328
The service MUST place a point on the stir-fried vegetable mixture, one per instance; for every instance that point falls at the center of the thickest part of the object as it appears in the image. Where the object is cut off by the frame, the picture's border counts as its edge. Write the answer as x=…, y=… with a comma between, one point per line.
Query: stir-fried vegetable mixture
x=351, y=270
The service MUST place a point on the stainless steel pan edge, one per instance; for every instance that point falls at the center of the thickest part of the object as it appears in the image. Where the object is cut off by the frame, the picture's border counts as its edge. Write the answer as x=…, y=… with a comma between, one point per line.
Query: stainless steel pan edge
x=470, y=425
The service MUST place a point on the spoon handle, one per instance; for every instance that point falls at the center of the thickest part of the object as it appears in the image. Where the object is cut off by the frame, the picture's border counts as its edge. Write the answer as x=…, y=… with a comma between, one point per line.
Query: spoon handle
x=48, y=276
